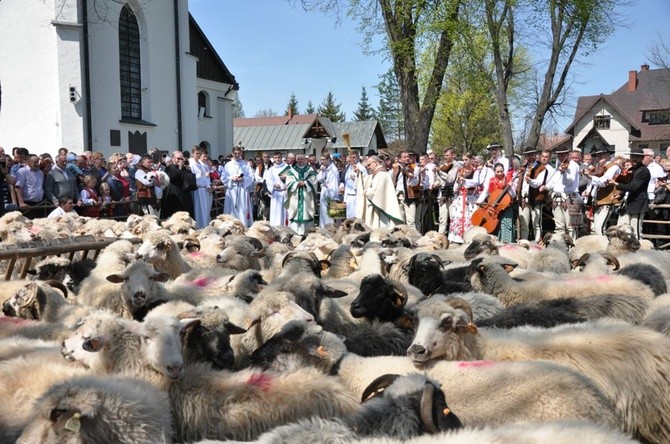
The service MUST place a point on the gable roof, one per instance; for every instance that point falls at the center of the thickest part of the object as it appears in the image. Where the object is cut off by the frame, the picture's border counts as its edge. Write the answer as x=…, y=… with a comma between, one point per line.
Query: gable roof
x=652, y=92
x=360, y=134
x=593, y=133
x=209, y=66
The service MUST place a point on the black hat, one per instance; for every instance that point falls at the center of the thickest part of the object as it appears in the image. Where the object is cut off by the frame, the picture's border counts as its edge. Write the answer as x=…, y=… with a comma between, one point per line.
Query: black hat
x=493, y=145
x=529, y=150
x=603, y=149
x=372, y=153
x=562, y=149
x=635, y=151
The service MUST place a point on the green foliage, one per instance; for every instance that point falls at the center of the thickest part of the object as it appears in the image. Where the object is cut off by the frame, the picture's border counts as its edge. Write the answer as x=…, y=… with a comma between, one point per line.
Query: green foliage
x=389, y=111
x=364, y=111
x=310, y=108
x=238, y=111
x=329, y=108
x=292, y=105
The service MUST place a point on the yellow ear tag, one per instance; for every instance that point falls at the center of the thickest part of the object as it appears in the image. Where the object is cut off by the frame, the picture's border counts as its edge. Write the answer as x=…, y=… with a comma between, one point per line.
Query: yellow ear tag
x=446, y=411
x=73, y=424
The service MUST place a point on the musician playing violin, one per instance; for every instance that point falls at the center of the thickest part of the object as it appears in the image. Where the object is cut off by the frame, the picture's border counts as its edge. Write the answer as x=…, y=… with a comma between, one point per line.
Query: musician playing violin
x=567, y=203
x=446, y=175
x=637, y=199
x=532, y=201
x=601, y=191
x=501, y=182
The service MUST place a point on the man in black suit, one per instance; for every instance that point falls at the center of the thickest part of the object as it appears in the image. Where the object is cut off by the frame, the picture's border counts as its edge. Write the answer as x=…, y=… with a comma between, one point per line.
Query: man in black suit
x=636, y=200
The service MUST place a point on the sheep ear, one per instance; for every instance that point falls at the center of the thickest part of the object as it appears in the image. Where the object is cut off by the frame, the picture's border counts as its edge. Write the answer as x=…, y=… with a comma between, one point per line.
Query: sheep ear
x=160, y=277
x=325, y=264
x=94, y=344
x=115, y=278
x=377, y=386
x=581, y=261
x=32, y=272
x=333, y=293
x=188, y=324
x=255, y=321
x=509, y=267
x=446, y=419
x=233, y=329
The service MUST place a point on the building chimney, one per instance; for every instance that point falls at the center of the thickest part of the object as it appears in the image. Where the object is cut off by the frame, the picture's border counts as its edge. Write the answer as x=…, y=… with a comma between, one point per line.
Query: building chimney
x=644, y=67
x=632, y=81
x=290, y=113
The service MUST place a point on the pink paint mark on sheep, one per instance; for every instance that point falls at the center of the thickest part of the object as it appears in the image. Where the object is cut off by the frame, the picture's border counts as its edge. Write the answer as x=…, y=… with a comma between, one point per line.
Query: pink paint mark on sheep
x=474, y=364
x=260, y=380
x=203, y=281
x=195, y=254
x=14, y=321
x=604, y=278
x=35, y=229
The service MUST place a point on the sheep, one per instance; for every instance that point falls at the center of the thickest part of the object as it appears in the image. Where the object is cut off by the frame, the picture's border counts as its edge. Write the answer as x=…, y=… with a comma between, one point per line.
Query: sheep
x=488, y=276
x=50, y=268
x=484, y=393
x=631, y=365
x=90, y=409
x=484, y=306
x=14, y=347
x=425, y=272
x=163, y=253
x=658, y=258
x=351, y=226
x=554, y=257
x=206, y=404
x=658, y=315
x=240, y=253
x=617, y=240
x=342, y=263
x=113, y=259
x=553, y=312
x=313, y=431
x=23, y=381
x=180, y=222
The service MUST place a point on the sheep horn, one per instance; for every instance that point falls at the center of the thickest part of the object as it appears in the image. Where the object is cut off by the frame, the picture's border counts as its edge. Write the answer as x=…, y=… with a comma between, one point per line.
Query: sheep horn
x=401, y=293
x=288, y=256
x=611, y=260
x=59, y=285
x=378, y=385
x=427, y=408
x=461, y=304
x=581, y=261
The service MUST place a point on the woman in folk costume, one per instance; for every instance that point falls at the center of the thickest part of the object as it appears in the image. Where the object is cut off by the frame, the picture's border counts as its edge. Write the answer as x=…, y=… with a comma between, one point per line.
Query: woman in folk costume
x=202, y=197
x=329, y=178
x=376, y=200
x=502, y=182
x=238, y=179
x=300, y=195
x=274, y=181
x=463, y=204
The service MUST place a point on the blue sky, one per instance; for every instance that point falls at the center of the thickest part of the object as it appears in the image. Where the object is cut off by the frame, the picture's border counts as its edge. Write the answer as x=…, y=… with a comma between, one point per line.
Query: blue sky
x=275, y=48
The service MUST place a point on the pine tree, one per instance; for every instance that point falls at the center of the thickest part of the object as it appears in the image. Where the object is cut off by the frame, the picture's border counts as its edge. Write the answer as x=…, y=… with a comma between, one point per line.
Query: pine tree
x=310, y=108
x=389, y=112
x=364, y=111
x=238, y=111
x=292, y=105
x=329, y=108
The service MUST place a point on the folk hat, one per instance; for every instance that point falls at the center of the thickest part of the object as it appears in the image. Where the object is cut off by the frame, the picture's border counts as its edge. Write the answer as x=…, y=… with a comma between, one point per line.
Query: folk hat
x=529, y=150
x=493, y=145
x=562, y=149
x=602, y=149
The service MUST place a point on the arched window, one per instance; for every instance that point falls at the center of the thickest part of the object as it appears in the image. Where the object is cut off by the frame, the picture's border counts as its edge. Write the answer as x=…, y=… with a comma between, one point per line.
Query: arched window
x=203, y=108
x=129, y=65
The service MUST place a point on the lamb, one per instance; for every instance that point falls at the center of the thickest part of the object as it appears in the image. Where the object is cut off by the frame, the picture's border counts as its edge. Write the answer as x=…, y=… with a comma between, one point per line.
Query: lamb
x=488, y=276
x=113, y=259
x=206, y=404
x=90, y=409
x=554, y=257
x=484, y=393
x=425, y=272
x=631, y=365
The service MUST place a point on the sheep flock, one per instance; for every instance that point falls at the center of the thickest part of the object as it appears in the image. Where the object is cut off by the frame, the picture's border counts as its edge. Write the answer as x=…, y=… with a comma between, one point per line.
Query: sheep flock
x=342, y=335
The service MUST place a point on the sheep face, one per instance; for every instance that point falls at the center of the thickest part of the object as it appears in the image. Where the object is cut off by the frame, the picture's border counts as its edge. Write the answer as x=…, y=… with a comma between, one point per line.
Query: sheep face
x=274, y=310
x=27, y=303
x=625, y=235
x=246, y=285
x=154, y=253
x=418, y=404
x=91, y=335
x=138, y=283
x=379, y=298
x=438, y=334
x=481, y=244
x=425, y=272
x=161, y=343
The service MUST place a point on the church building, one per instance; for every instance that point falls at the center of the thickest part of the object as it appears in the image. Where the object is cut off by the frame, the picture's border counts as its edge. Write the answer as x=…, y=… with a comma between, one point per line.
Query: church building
x=111, y=76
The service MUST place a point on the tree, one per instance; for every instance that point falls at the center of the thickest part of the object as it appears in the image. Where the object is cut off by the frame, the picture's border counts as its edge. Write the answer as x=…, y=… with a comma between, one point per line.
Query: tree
x=292, y=105
x=409, y=25
x=238, y=111
x=329, y=108
x=310, y=108
x=364, y=111
x=389, y=111
x=266, y=113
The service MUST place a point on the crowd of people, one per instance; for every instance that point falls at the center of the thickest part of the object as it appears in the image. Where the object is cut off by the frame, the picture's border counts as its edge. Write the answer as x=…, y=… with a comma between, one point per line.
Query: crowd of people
x=518, y=197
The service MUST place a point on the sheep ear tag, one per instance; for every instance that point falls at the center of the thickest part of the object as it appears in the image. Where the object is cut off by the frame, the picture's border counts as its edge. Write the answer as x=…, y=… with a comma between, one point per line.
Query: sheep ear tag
x=73, y=424
x=472, y=328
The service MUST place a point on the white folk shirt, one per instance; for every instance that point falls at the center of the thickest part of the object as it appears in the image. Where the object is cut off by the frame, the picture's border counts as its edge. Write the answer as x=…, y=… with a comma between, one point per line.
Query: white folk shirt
x=566, y=182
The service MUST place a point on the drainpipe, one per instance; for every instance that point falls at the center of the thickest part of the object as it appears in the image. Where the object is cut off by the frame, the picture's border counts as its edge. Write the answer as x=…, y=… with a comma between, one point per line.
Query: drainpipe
x=178, y=70
x=87, y=80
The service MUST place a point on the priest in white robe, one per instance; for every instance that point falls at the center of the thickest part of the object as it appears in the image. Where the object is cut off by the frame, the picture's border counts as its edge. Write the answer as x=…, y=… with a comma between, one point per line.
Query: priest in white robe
x=275, y=178
x=376, y=202
x=238, y=179
x=353, y=170
x=300, y=195
x=202, y=197
x=329, y=178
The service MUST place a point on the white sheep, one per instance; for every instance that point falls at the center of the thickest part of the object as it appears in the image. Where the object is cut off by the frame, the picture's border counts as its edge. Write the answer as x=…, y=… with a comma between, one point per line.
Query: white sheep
x=631, y=365
x=160, y=250
x=90, y=409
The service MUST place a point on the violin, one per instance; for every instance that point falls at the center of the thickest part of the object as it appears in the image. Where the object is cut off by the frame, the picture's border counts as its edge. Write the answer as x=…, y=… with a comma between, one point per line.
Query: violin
x=446, y=167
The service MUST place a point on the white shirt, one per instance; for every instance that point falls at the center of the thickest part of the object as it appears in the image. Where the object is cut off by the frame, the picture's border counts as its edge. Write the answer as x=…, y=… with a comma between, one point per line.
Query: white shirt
x=657, y=172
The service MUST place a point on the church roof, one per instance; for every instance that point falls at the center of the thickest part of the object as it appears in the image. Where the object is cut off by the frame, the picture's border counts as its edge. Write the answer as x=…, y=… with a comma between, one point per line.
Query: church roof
x=209, y=66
